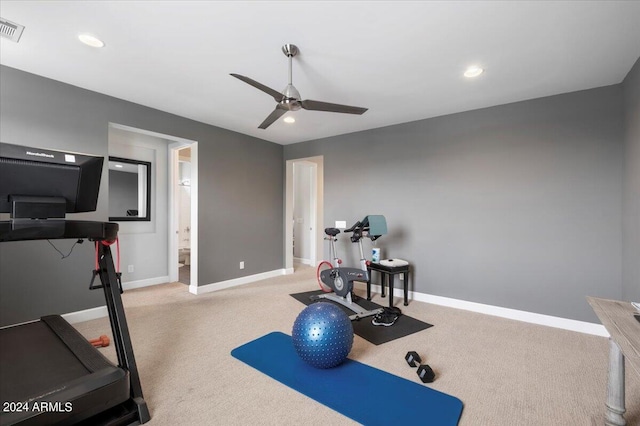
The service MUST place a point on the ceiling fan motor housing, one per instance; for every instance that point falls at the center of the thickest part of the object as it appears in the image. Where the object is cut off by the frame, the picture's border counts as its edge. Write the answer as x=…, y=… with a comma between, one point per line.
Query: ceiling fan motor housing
x=291, y=97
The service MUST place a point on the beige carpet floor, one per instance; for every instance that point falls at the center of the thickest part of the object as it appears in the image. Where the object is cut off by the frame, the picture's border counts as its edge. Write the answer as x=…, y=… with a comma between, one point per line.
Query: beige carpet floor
x=506, y=372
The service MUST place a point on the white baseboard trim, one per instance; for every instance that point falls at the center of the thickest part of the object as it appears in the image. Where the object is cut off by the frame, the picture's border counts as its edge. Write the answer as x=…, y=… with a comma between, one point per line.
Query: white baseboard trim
x=86, y=315
x=207, y=288
x=530, y=317
x=101, y=311
x=303, y=261
x=130, y=285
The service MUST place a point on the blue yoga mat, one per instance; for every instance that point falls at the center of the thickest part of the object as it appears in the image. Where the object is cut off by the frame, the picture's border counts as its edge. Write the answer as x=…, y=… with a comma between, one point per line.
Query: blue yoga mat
x=362, y=393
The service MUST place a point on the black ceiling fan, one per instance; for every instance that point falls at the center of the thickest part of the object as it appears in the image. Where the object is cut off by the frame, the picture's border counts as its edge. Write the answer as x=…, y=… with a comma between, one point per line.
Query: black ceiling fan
x=290, y=100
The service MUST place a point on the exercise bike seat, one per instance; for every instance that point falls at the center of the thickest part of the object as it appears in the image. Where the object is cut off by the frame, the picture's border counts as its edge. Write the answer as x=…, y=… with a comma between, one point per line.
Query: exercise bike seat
x=331, y=231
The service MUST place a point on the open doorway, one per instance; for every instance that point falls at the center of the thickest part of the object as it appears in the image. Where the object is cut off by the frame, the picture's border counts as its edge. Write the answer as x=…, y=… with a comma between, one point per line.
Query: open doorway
x=303, y=212
x=183, y=213
x=183, y=200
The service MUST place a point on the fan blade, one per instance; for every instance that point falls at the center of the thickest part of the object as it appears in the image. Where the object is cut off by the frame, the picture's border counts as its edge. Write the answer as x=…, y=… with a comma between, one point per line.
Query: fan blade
x=268, y=90
x=326, y=106
x=277, y=113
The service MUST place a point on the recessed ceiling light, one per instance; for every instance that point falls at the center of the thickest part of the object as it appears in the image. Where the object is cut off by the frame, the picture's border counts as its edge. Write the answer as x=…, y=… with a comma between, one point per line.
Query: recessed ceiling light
x=119, y=166
x=473, y=71
x=289, y=120
x=90, y=40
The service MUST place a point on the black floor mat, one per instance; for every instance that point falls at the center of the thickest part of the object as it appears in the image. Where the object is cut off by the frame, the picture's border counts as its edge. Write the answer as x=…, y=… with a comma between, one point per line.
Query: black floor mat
x=375, y=334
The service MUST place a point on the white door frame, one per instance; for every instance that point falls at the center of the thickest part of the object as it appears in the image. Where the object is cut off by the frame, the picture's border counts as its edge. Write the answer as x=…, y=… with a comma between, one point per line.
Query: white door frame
x=318, y=200
x=174, y=214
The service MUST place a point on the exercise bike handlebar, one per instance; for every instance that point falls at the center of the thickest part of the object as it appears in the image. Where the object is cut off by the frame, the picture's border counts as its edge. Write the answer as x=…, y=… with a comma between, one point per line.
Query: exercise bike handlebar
x=374, y=225
x=355, y=226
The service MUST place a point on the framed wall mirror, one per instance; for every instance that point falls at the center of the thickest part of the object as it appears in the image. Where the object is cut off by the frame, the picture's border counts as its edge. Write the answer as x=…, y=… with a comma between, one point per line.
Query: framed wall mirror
x=129, y=190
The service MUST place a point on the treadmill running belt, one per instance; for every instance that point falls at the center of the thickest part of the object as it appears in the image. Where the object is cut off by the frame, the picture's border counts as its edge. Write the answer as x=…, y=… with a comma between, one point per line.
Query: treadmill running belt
x=41, y=368
x=51, y=362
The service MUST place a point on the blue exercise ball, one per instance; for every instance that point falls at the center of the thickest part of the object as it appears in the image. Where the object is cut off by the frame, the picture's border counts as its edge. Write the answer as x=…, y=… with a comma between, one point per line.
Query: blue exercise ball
x=322, y=335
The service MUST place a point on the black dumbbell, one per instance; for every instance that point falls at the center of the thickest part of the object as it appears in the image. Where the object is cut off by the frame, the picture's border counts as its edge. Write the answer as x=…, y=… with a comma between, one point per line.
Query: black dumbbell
x=425, y=372
x=412, y=358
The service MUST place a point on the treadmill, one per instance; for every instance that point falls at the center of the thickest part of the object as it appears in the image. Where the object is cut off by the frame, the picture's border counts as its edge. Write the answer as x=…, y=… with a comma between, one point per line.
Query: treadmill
x=51, y=375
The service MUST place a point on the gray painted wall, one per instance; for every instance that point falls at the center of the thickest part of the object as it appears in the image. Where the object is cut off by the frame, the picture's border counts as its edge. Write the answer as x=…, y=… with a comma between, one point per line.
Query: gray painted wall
x=631, y=185
x=516, y=206
x=240, y=195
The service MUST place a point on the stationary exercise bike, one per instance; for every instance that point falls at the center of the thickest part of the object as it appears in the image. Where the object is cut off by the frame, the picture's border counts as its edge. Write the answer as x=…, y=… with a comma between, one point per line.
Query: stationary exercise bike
x=337, y=281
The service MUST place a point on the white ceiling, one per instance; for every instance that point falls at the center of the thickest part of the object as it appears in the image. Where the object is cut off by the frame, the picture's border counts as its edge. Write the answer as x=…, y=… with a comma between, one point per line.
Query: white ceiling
x=402, y=60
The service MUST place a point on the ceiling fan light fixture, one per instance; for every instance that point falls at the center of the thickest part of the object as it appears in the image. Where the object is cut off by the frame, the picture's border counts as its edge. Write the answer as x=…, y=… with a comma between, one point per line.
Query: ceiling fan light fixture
x=289, y=119
x=473, y=71
x=90, y=40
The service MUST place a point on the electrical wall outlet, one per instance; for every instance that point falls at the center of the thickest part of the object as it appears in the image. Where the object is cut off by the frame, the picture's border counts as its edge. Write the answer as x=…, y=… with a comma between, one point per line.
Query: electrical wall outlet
x=342, y=224
x=242, y=265
x=130, y=268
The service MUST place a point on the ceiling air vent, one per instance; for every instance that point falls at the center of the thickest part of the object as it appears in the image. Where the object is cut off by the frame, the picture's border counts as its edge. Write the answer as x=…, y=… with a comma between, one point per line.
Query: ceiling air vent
x=10, y=30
